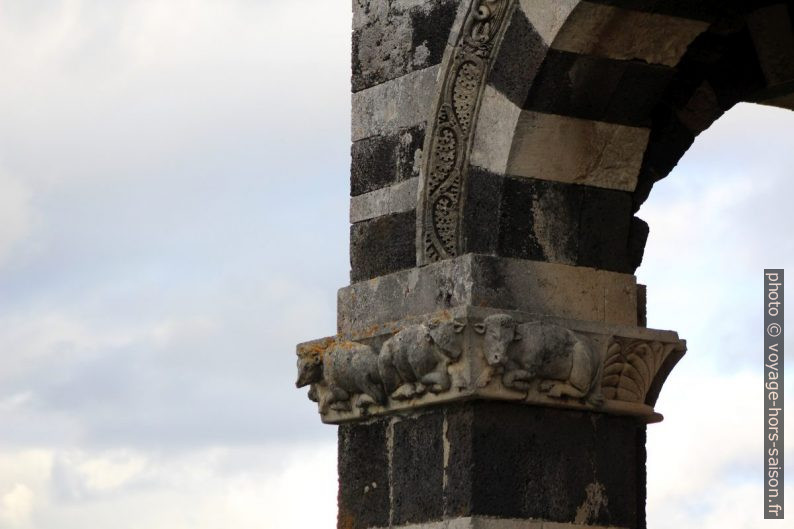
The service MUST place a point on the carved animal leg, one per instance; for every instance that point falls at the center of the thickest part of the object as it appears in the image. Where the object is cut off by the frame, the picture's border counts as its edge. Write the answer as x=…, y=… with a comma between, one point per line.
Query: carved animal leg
x=364, y=401
x=438, y=381
x=340, y=399
x=517, y=379
x=373, y=390
x=563, y=389
x=419, y=389
x=404, y=392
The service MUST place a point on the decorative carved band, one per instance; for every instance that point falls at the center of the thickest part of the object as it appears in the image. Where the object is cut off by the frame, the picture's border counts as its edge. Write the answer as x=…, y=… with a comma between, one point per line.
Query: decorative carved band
x=449, y=139
x=495, y=356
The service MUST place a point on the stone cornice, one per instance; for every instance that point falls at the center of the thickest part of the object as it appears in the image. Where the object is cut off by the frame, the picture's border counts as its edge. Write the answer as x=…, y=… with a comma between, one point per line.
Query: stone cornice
x=479, y=353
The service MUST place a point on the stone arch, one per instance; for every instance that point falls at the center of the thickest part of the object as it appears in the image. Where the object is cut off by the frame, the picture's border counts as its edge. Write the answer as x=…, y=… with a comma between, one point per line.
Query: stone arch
x=501, y=149
x=581, y=106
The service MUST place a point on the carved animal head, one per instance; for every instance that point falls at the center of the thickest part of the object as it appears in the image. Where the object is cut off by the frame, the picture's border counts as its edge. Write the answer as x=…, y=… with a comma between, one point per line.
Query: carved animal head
x=448, y=336
x=499, y=332
x=310, y=368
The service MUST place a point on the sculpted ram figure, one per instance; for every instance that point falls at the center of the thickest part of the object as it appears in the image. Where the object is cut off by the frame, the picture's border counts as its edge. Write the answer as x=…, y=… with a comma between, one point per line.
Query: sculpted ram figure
x=564, y=362
x=347, y=369
x=415, y=360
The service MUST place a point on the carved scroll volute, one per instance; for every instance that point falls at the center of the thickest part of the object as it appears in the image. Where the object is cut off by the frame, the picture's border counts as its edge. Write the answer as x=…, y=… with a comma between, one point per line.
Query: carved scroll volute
x=449, y=139
x=634, y=370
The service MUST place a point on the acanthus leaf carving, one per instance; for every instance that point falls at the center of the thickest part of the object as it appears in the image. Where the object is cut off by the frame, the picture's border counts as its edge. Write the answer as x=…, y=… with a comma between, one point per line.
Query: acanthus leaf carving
x=631, y=366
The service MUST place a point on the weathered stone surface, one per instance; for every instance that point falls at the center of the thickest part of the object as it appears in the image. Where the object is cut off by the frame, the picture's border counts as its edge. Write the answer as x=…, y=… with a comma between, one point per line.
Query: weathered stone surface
x=547, y=16
x=458, y=488
x=397, y=198
x=473, y=352
x=363, y=476
x=512, y=284
x=519, y=452
x=701, y=109
x=462, y=79
x=382, y=245
x=495, y=130
x=577, y=150
x=508, y=465
x=598, y=88
x=706, y=10
x=508, y=386
x=604, y=230
x=398, y=104
x=392, y=38
x=608, y=31
x=772, y=34
x=540, y=220
x=418, y=469
x=549, y=221
x=481, y=211
x=381, y=161
x=669, y=140
x=484, y=522
x=642, y=305
x=638, y=236
x=516, y=65
x=785, y=101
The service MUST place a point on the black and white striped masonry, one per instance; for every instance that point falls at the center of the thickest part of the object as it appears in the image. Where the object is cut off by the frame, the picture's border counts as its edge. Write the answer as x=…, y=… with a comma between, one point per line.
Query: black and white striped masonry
x=501, y=150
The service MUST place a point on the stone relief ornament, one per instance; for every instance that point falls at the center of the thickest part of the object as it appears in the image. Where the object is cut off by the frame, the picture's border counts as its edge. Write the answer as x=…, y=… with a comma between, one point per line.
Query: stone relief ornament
x=416, y=359
x=449, y=140
x=346, y=369
x=631, y=366
x=475, y=352
x=562, y=362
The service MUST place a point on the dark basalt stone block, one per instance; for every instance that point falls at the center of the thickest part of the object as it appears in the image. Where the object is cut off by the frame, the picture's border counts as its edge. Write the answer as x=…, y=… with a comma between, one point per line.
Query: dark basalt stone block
x=363, y=460
x=604, y=227
x=502, y=460
x=395, y=41
x=525, y=203
x=517, y=62
x=418, y=469
x=598, y=88
x=381, y=161
x=481, y=211
x=382, y=245
x=431, y=28
x=543, y=463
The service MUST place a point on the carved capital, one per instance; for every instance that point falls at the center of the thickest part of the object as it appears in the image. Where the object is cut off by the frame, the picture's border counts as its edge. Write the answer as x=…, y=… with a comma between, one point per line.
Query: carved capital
x=472, y=352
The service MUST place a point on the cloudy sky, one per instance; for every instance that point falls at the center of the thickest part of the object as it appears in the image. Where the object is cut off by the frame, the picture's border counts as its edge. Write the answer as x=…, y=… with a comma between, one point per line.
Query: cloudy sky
x=173, y=196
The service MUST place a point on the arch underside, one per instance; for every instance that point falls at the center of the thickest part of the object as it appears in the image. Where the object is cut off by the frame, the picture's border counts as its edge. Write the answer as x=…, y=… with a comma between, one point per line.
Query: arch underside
x=583, y=107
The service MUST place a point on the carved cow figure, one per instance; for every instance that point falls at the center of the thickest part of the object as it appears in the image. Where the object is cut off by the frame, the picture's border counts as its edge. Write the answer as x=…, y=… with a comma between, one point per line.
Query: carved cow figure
x=346, y=369
x=564, y=362
x=415, y=359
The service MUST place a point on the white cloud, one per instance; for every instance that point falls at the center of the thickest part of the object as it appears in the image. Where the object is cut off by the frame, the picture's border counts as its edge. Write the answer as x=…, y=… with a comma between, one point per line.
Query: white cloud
x=278, y=486
x=711, y=236
x=16, y=507
x=187, y=230
x=15, y=213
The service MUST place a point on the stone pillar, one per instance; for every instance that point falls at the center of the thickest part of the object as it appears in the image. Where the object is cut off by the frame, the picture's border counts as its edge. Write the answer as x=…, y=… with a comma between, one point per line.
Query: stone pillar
x=492, y=367
x=490, y=392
